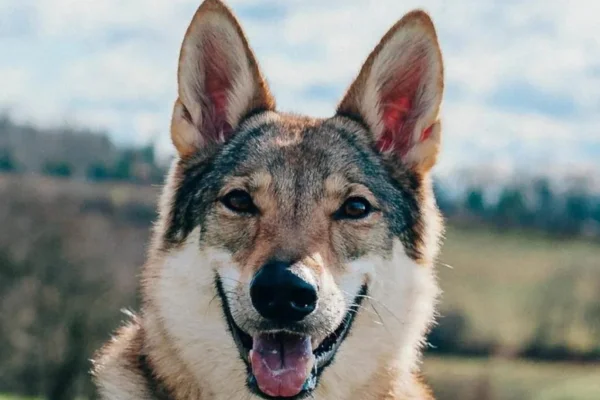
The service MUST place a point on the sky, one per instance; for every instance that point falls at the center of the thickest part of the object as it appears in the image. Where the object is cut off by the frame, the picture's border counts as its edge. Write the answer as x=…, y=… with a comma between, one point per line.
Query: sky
x=522, y=77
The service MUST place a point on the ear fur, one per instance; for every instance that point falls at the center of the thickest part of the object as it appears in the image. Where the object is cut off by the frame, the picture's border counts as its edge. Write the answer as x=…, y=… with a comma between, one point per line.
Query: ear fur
x=398, y=92
x=219, y=81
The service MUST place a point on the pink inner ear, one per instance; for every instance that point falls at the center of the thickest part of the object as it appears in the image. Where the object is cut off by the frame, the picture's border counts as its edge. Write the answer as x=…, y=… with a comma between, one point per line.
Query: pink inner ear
x=394, y=120
x=394, y=116
x=426, y=134
x=216, y=85
x=399, y=108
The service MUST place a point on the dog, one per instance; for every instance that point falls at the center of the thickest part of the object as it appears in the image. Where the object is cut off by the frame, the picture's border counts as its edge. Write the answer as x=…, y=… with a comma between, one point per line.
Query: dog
x=293, y=257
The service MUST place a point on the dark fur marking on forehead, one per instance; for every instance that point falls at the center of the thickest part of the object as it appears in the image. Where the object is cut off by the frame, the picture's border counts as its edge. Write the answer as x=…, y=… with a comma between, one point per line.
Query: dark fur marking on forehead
x=251, y=113
x=356, y=118
x=395, y=187
x=201, y=180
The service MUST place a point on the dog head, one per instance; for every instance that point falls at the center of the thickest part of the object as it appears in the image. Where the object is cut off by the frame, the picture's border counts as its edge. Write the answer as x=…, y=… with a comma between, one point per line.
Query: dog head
x=294, y=253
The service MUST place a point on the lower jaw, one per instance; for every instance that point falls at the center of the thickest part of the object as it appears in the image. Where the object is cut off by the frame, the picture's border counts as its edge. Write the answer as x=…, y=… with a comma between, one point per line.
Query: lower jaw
x=306, y=392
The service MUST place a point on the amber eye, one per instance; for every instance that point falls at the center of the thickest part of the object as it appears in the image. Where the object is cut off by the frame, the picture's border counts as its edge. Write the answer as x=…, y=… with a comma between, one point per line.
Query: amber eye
x=239, y=201
x=354, y=208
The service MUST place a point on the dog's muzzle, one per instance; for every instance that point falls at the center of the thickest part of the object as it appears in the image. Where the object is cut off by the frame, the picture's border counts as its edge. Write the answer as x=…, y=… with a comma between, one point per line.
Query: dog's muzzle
x=283, y=363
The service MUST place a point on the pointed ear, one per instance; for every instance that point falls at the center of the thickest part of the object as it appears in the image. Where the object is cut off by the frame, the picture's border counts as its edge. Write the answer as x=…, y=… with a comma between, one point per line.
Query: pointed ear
x=219, y=82
x=399, y=90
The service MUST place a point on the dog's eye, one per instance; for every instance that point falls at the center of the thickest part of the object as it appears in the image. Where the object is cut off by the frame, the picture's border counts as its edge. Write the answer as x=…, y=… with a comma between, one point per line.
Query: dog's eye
x=354, y=208
x=239, y=201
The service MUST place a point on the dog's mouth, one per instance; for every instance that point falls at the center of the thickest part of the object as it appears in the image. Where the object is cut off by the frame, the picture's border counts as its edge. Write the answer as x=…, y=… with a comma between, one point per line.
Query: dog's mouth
x=283, y=365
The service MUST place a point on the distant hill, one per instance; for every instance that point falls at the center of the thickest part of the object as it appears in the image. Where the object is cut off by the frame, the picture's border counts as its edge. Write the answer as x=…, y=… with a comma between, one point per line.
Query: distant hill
x=32, y=147
x=73, y=152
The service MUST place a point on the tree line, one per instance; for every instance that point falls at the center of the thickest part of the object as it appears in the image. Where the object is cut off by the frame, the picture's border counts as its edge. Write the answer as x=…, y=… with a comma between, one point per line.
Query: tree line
x=77, y=153
x=538, y=205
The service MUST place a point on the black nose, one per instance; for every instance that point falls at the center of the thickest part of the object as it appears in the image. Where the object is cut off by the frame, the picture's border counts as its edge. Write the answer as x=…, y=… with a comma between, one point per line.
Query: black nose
x=280, y=295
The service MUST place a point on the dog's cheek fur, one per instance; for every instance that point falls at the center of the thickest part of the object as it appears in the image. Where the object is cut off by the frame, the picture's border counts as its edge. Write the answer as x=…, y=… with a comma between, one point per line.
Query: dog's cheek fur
x=389, y=327
x=115, y=371
x=184, y=299
x=388, y=331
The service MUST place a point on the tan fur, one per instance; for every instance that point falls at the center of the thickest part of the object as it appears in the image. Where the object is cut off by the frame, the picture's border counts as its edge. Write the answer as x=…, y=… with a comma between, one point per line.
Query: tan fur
x=116, y=366
x=181, y=338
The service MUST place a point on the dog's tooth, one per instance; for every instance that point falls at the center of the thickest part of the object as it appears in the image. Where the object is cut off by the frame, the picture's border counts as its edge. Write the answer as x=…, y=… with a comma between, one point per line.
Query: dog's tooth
x=310, y=364
x=314, y=343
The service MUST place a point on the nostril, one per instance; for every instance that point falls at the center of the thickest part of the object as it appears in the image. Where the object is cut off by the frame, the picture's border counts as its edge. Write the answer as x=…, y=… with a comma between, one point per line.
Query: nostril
x=303, y=299
x=262, y=296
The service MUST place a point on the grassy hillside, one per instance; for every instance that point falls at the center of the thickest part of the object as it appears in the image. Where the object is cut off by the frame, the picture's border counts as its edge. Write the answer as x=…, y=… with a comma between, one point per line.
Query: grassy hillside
x=454, y=378
x=513, y=288
x=479, y=379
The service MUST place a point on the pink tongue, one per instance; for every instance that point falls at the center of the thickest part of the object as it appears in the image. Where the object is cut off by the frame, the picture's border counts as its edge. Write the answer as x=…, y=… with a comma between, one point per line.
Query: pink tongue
x=281, y=363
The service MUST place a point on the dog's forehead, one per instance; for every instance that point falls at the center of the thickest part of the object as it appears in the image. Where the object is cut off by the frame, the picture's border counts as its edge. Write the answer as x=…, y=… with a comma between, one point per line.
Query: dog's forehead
x=302, y=153
x=301, y=162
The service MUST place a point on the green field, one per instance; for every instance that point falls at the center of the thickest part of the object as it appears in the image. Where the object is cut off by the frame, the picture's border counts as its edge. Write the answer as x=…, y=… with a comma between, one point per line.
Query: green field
x=511, y=288
x=475, y=379
x=7, y=397
x=511, y=285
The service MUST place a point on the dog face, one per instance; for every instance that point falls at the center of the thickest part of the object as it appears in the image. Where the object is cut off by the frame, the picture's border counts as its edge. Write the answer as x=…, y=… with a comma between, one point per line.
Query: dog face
x=282, y=237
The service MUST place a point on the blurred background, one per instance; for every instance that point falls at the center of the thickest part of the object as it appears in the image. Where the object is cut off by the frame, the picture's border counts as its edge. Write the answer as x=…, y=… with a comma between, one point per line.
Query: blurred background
x=86, y=89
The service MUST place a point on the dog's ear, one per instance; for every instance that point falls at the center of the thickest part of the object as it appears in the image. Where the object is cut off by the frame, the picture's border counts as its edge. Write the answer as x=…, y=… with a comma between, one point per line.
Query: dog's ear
x=219, y=82
x=399, y=90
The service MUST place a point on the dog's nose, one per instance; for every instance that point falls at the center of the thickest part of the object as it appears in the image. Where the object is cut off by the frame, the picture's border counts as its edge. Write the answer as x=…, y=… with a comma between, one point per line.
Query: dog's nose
x=280, y=295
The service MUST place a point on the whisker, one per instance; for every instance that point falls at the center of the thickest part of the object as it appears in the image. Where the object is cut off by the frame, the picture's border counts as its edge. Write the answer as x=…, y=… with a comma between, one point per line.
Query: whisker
x=362, y=308
x=380, y=303
x=380, y=319
x=445, y=265
x=210, y=303
x=231, y=279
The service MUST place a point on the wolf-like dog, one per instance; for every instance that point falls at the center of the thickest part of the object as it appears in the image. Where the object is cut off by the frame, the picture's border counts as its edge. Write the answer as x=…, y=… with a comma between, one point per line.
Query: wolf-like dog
x=293, y=257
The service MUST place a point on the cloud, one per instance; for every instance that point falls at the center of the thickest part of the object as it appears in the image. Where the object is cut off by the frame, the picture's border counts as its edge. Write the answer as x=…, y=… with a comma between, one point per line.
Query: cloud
x=522, y=78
